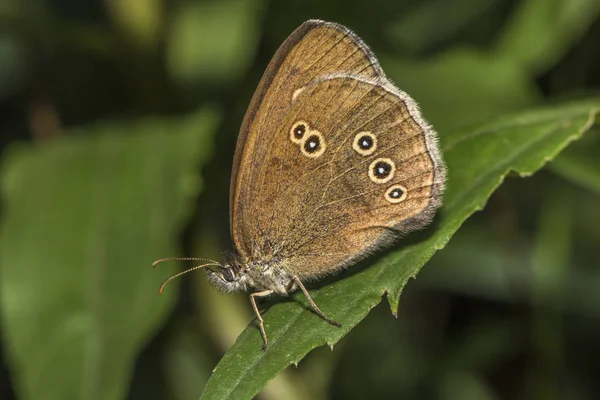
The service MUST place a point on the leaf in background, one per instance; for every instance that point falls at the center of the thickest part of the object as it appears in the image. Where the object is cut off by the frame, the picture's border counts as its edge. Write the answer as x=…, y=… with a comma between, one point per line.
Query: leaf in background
x=141, y=20
x=413, y=29
x=463, y=87
x=84, y=217
x=195, y=53
x=478, y=161
x=542, y=31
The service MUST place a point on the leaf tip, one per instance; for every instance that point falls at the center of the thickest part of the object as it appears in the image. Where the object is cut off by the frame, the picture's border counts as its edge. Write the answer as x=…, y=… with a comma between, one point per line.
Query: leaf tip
x=393, y=301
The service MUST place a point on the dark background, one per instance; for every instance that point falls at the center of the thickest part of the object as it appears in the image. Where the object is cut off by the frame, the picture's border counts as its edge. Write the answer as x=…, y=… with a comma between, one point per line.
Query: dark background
x=510, y=309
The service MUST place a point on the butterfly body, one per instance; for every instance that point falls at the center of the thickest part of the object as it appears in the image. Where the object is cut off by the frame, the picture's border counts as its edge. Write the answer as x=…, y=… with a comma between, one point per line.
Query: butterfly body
x=242, y=275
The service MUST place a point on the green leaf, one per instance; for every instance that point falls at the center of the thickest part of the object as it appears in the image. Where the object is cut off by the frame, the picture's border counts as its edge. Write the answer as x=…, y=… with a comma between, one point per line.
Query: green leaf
x=140, y=20
x=195, y=53
x=413, y=28
x=528, y=38
x=84, y=217
x=478, y=161
x=463, y=86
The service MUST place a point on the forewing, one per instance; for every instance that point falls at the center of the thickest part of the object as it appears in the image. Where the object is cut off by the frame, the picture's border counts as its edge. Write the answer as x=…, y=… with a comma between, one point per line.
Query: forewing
x=313, y=50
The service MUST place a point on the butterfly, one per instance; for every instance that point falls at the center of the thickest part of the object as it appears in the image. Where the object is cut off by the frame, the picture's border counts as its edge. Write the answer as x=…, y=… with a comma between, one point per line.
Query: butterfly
x=332, y=162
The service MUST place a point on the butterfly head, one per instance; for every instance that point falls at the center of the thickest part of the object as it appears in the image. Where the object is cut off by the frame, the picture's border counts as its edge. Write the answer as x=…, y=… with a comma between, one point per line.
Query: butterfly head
x=229, y=276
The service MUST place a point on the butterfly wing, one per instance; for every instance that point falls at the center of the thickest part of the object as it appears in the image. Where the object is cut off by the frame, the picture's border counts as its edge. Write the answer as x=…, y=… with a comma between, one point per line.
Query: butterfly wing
x=363, y=163
x=314, y=49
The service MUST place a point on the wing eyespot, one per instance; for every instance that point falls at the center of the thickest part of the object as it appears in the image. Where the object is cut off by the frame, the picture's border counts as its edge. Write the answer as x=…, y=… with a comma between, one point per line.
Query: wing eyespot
x=382, y=170
x=395, y=194
x=298, y=131
x=365, y=143
x=314, y=144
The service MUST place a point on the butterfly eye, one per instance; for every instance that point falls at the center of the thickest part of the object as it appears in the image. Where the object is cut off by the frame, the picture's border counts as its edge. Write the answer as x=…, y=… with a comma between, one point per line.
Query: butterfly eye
x=365, y=143
x=228, y=274
x=298, y=131
x=314, y=145
x=395, y=194
x=382, y=170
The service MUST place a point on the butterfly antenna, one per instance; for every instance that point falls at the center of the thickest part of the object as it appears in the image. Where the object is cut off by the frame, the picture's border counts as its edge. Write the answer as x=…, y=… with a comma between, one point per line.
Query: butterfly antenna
x=162, y=285
x=155, y=263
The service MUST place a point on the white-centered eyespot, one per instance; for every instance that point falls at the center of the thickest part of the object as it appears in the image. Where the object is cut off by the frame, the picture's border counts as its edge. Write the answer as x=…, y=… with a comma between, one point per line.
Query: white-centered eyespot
x=395, y=194
x=382, y=170
x=298, y=131
x=365, y=143
x=314, y=144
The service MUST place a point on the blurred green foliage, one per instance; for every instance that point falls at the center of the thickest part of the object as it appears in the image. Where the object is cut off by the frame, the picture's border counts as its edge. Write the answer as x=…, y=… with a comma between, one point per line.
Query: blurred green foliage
x=80, y=214
x=114, y=154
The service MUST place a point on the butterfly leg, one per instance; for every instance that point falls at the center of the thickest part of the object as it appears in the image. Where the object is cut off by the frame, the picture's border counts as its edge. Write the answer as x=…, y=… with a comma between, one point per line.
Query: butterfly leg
x=312, y=302
x=261, y=322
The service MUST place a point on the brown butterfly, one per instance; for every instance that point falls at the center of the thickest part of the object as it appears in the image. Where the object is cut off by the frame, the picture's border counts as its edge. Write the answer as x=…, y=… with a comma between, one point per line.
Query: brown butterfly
x=332, y=162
